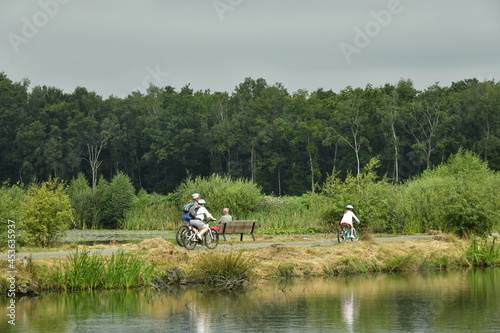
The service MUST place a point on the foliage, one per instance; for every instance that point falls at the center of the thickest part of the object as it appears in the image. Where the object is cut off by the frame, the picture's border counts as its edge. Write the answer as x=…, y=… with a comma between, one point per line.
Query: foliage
x=115, y=198
x=286, y=215
x=483, y=253
x=241, y=196
x=10, y=203
x=83, y=201
x=151, y=211
x=371, y=198
x=287, y=143
x=47, y=212
x=458, y=197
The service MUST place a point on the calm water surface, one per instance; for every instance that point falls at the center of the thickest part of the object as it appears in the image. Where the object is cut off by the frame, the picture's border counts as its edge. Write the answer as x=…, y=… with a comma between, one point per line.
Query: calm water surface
x=464, y=301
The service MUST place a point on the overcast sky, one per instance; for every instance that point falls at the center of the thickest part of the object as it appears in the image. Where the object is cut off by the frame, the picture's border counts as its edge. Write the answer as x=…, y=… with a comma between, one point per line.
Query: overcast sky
x=118, y=46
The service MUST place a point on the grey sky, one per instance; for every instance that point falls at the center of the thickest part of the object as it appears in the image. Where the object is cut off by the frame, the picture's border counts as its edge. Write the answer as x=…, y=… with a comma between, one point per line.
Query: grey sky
x=115, y=47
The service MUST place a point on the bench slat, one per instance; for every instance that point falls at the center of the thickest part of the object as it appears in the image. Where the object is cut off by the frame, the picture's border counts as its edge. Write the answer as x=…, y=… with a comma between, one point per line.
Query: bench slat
x=238, y=227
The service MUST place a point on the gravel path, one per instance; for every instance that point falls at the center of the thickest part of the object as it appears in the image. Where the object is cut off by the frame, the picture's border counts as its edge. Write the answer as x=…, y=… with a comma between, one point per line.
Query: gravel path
x=127, y=235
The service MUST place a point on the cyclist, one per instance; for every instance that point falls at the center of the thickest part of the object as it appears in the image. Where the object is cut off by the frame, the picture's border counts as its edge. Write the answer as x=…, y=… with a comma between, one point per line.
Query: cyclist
x=348, y=218
x=201, y=214
x=194, y=199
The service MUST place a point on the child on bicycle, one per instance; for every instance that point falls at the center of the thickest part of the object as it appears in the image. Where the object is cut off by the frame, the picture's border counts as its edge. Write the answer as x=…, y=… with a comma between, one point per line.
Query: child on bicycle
x=201, y=214
x=348, y=218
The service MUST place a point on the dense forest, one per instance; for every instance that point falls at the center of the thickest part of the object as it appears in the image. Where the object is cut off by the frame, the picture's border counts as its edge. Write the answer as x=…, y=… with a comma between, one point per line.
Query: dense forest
x=286, y=142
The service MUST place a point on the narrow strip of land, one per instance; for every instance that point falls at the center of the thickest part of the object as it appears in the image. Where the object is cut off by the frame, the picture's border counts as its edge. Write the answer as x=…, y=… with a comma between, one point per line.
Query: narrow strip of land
x=222, y=246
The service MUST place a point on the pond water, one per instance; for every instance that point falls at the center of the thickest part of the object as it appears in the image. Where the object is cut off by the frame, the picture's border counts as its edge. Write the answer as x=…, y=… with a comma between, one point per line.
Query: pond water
x=452, y=301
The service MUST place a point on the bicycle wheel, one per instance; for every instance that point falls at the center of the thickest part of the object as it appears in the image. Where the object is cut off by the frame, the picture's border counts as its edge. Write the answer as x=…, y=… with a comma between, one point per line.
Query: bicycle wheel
x=190, y=240
x=341, y=235
x=356, y=235
x=211, y=239
x=178, y=234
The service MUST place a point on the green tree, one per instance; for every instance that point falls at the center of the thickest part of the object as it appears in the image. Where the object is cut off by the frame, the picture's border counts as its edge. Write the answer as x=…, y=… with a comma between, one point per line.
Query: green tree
x=114, y=199
x=47, y=213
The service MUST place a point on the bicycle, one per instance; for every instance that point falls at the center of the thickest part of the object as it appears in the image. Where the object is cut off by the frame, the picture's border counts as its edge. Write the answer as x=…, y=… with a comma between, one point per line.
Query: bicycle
x=178, y=235
x=188, y=239
x=344, y=233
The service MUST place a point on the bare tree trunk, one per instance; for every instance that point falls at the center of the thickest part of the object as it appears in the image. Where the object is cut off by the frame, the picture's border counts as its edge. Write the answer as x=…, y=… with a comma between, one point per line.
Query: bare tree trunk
x=94, y=152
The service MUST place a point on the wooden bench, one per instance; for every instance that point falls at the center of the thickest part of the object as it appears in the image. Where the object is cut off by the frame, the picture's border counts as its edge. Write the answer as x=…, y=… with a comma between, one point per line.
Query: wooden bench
x=238, y=227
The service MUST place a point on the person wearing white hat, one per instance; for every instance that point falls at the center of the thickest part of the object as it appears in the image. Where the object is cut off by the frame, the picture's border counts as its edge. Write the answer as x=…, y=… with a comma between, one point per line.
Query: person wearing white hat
x=349, y=218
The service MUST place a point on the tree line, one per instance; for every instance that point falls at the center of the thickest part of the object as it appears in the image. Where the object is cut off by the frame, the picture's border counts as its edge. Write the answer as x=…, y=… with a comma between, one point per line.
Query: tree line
x=286, y=142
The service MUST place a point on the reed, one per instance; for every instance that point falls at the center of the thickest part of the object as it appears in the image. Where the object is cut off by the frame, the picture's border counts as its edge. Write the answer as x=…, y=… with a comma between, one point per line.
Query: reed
x=285, y=216
x=346, y=266
x=398, y=263
x=224, y=270
x=83, y=271
x=483, y=253
x=156, y=215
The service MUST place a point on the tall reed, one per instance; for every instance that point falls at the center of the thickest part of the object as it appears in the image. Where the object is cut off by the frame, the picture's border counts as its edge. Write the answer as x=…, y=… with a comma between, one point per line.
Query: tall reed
x=483, y=253
x=86, y=271
x=225, y=270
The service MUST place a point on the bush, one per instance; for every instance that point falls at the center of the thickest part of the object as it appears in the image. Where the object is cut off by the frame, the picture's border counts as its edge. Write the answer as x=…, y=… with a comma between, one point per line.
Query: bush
x=241, y=196
x=84, y=203
x=47, y=213
x=10, y=203
x=372, y=199
x=114, y=199
x=459, y=197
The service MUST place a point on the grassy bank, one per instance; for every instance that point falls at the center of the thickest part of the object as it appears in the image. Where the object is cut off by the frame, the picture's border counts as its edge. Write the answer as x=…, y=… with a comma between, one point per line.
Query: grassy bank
x=158, y=263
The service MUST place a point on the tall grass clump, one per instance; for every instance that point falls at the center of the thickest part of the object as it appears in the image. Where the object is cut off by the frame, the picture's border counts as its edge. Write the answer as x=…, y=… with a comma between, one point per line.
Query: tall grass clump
x=287, y=215
x=225, y=270
x=241, y=196
x=152, y=212
x=86, y=271
x=372, y=198
x=483, y=253
x=459, y=197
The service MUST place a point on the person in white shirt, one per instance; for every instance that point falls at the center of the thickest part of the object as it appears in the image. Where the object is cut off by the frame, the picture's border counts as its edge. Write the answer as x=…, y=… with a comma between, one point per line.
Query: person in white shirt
x=201, y=214
x=349, y=218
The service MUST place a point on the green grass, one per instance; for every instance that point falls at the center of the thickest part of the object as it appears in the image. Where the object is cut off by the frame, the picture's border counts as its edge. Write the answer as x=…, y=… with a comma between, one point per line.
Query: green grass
x=483, y=253
x=224, y=270
x=83, y=271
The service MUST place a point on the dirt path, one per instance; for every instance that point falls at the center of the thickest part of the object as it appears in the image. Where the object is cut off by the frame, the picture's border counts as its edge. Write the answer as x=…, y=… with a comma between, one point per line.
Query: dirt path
x=222, y=246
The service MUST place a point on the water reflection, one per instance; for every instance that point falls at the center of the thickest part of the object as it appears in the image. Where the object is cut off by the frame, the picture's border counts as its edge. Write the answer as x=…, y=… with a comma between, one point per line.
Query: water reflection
x=466, y=301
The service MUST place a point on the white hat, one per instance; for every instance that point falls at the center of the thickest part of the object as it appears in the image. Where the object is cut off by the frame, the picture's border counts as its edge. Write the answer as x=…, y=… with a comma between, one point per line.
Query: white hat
x=195, y=195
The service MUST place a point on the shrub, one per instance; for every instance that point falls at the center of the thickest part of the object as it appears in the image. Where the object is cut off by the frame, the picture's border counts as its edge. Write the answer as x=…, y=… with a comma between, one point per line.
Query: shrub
x=372, y=198
x=240, y=195
x=47, y=213
x=83, y=201
x=114, y=199
x=10, y=201
x=460, y=197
